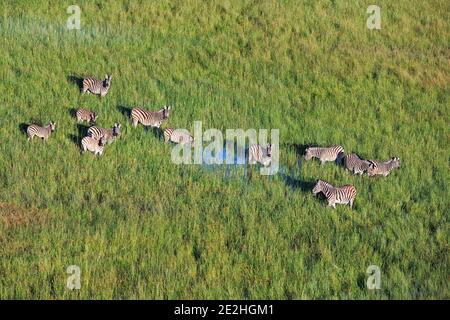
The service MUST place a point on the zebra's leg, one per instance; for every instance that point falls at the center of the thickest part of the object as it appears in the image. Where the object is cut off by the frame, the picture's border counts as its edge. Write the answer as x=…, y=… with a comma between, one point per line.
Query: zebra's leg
x=351, y=203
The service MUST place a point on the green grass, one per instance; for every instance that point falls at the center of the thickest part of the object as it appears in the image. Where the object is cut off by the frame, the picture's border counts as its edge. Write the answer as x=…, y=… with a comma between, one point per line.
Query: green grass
x=141, y=227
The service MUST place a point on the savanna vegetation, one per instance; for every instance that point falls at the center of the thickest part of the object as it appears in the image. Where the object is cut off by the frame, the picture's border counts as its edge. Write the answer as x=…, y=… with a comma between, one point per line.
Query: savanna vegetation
x=139, y=226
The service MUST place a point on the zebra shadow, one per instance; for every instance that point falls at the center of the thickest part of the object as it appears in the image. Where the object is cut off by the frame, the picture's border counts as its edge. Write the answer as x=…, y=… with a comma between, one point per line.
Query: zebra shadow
x=295, y=184
x=76, y=80
x=126, y=111
x=23, y=127
x=76, y=140
x=157, y=132
x=82, y=132
x=73, y=112
x=299, y=149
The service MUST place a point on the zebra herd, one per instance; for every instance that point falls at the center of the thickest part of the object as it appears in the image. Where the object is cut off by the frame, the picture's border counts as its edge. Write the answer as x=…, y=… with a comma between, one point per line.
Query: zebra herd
x=346, y=194
x=97, y=138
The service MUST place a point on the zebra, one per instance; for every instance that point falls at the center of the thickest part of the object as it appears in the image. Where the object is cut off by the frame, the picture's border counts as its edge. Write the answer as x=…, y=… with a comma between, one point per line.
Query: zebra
x=383, y=168
x=41, y=132
x=86, y=115
x=324, y=154
x=149, y=118
x=256, y=153
x=355, y=164
x=93, y=145
x=177, y=136
x=336, y=195
x=95, y=86
x=109, y=134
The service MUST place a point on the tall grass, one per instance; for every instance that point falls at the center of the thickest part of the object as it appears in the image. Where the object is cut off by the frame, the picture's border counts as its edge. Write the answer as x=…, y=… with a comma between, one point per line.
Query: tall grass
x=141, y=227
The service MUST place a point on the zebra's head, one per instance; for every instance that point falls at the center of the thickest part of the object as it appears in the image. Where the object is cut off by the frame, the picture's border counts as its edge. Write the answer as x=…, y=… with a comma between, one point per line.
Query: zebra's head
x=116, y=129
x=107, y=81
x=395, y=161
x=166, y=111
x=52, y=126
x=93, y=117
x=308, y=154
x=318, y=187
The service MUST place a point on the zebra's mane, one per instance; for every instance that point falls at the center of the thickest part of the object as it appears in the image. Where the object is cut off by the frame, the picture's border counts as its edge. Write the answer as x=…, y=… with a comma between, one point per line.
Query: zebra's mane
x=323, y=182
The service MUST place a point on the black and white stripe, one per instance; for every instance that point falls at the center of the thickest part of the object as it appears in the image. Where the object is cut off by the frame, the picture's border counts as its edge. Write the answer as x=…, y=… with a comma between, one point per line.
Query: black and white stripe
x=258, y=154
x=336, y=195
x=41, y=132
x=86, y=115
x=93, y=145
x=383, y=168
x=149, y=118
x=355, y=164
x=324, y=154
x=108, y=134
x=95, y=86
x=177, y=136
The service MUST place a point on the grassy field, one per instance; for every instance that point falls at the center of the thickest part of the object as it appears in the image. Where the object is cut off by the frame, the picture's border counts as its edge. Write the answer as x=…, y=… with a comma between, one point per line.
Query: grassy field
x=139, y=226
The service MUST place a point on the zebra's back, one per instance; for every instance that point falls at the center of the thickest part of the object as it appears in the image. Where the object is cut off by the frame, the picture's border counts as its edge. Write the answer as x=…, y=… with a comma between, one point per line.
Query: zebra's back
x=92, y=85
x=34, y=130
x=95, y=86
x=355, y=164
x=85, y=115
x=256, y=153
x=324, y=153
x=97, y=132
x=177, y=136
x=92, y=145
x=342, y=195
x=145, y=117
x=383, y=168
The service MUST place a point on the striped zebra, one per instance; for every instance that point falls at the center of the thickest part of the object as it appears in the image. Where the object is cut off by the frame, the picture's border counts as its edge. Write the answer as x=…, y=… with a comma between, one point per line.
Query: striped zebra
x=336, y=195
x=86, y=115
x=108, y=134
x=177, y=136
x=95, y=86
x=258, y=154
x=149, y=118
x=93, y=145
x=41, y=132
x=355, y=164
x=324, y=154
x=383, y=168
